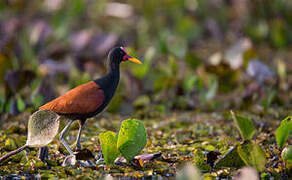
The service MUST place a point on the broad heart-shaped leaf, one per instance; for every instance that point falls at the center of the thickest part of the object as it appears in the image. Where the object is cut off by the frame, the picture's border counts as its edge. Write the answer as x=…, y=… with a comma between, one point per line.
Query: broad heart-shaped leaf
x=244, y=125
x=132, y=138
x=283, y=131
x=43, y=126
x=108, y=143
x=287, y=154
x=252, y=155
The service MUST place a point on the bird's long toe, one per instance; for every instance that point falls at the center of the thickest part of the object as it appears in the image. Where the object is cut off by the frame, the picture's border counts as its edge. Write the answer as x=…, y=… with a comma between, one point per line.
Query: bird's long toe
x=69, y=160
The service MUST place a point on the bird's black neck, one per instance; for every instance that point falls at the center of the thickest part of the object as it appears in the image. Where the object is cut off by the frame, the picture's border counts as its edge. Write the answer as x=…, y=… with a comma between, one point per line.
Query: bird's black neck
x=110, y=81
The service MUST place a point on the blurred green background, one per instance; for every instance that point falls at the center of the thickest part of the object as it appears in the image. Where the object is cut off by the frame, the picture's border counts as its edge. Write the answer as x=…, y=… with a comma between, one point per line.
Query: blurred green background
x=204, y=55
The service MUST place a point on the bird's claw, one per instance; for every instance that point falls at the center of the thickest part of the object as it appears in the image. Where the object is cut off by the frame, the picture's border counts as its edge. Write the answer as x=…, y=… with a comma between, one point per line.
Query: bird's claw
x=69, y=160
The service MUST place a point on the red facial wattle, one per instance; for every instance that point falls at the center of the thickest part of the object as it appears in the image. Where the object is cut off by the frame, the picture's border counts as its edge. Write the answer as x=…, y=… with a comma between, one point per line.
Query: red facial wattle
x=127, y=57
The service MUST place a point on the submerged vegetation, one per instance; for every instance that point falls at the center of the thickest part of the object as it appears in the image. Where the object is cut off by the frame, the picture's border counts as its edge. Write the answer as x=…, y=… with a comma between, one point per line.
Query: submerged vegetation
x=213, y=92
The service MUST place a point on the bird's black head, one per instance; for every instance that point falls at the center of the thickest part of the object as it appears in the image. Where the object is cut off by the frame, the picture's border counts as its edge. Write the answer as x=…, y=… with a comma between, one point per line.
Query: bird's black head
x=119, y=54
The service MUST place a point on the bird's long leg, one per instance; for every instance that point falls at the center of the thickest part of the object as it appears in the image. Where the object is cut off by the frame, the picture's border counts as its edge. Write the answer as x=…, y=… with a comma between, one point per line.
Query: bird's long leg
x=62, y=137
x=78, y=145
x=43, y=153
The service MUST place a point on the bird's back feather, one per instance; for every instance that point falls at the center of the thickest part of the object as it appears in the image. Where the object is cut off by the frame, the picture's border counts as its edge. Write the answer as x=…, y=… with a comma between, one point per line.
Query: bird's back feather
x=83, y=99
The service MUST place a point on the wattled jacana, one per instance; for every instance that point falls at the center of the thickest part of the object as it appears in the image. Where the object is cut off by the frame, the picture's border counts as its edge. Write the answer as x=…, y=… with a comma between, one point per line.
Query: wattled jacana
x=89, y=99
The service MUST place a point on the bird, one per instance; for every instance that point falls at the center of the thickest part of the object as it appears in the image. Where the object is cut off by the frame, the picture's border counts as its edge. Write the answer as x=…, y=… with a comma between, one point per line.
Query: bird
x=89, y=99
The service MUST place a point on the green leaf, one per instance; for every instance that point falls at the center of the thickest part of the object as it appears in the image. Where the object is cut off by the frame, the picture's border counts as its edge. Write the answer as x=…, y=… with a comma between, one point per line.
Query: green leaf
x=252, y=155
x=278, y=34
x=142, y=101
x=287, y=154
x=48, y=175
x=189, y=83
x=6, y=107
x=177, y=46
x=244, y=125
x=38, y=100
x=132, y=138
x=1, y=101
x=20, y=104
x=270, y=97
x=213, y=86
x=10, y=144
x=143, y=69
x=189, y=29
x=192, y=60
x=108, y=143
x=230, y=159
x=5, y=64
x=283, y=131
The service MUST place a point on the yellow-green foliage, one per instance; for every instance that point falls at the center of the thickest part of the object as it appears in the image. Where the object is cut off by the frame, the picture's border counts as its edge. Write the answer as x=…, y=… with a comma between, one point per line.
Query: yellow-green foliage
x=108, y=142
x=132, y=138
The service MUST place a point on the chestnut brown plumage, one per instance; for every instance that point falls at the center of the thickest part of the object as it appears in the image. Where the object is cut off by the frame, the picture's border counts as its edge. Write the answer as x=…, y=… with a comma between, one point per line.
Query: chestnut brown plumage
x=89, y=99
x=83, y=99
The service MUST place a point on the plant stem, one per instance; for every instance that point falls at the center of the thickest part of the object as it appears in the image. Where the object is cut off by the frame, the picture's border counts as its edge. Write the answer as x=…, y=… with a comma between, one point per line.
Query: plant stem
x=13, y=153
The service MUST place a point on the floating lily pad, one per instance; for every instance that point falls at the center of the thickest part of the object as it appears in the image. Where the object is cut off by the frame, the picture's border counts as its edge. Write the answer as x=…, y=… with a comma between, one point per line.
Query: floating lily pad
x=108, y=142
x=43, y=126
x=132, y=138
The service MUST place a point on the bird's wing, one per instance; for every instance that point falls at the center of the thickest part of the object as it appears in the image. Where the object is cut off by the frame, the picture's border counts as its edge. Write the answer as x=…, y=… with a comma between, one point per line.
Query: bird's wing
x=83, y=99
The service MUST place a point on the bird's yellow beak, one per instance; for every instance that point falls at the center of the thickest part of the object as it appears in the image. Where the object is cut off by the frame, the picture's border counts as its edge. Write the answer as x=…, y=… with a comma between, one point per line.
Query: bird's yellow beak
x=134, y=60
x=130, y=58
